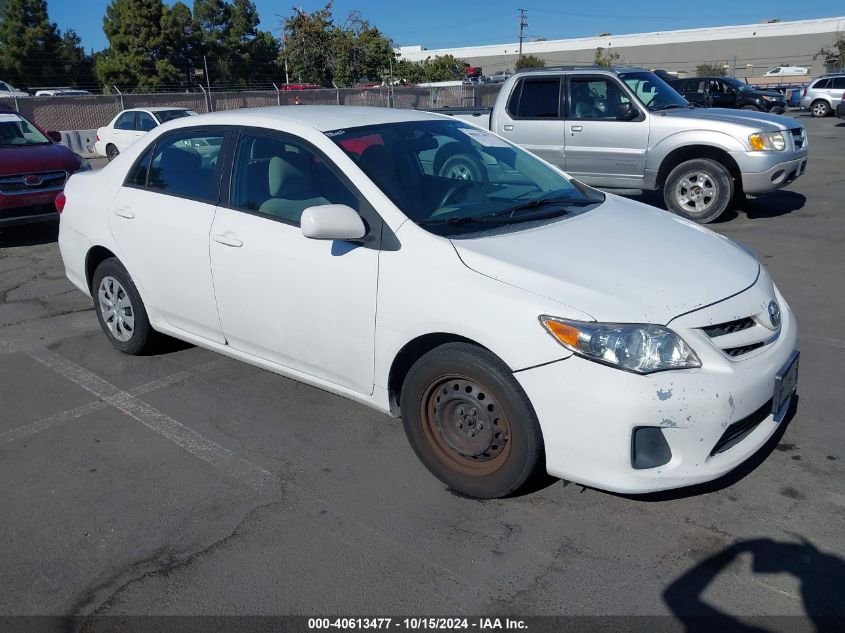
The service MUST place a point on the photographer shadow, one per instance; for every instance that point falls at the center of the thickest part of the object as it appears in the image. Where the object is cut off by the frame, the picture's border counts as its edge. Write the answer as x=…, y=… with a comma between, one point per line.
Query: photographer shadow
x=822, y=578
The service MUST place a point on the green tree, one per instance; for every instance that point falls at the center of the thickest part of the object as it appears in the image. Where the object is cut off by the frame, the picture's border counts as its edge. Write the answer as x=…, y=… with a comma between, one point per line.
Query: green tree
x=833, y=56
x=605, y=59
x=136, y=58
x=178, y=42
x=529, y=61
x=711, y=69
x=29, y=44
x=74, y=65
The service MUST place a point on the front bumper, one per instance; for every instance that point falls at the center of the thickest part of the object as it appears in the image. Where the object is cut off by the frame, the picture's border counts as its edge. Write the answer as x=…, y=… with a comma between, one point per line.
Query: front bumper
x=26, y=209
x=588, y=413
x=768, y=171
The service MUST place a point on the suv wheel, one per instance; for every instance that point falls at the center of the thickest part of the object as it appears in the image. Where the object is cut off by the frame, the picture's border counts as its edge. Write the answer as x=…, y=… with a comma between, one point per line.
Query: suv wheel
x=469, y=421
x=700, y=190
x=820, y=109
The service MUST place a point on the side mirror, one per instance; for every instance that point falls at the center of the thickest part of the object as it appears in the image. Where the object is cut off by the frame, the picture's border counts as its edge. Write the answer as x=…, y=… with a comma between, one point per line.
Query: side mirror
x=332, y=222
x=626, y=112
x=54, y=136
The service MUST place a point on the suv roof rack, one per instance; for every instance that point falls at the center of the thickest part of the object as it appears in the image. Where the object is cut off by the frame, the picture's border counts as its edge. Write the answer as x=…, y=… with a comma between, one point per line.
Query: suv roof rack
x=582, y=67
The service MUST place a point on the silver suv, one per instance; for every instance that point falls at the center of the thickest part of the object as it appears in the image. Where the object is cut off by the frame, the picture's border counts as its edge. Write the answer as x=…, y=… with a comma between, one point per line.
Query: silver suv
x=823, y=94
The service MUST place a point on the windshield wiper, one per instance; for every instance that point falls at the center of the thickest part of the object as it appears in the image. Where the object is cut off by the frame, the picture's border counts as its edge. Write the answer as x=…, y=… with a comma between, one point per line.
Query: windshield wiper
x=498, y=218
x=539, y=202
x=672, y=105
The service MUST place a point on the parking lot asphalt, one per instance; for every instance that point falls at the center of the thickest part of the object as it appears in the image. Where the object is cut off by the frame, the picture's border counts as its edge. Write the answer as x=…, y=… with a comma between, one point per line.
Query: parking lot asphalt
x=188, y=483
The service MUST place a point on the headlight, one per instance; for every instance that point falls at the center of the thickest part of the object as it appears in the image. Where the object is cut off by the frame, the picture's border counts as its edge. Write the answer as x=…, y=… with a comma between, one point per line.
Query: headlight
x=767, y=141
x=768, y=98
x=640, y=348
x=84, y=164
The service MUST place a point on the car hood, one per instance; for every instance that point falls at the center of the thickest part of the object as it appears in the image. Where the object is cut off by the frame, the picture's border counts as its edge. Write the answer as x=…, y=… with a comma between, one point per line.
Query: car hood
x=36, y=158
x=748, y=118
x=621, y=262
x=769, y=93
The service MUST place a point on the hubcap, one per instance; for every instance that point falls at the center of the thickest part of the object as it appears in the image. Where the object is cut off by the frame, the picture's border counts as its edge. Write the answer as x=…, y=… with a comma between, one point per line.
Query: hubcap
x=696, y=192
x=818, y=109
x=466, y=425
x=459, y=172
x=116, y=309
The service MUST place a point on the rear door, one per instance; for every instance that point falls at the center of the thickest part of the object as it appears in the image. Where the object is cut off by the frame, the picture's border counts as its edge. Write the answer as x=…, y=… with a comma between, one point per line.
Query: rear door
x=532, y=117
x=602, y=149
x=722, y=95
x=694, y=91
x=161, y=219
x=144, y=122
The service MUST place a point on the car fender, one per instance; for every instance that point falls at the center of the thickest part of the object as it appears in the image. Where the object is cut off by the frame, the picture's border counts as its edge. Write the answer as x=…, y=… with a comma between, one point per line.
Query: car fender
x=707, y=138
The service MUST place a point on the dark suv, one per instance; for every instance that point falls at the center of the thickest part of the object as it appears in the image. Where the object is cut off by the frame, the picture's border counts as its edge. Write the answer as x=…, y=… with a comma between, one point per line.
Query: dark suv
x=727, y=92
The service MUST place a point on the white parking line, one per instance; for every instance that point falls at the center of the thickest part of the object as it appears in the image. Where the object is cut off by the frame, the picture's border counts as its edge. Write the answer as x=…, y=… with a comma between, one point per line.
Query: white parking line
x=207, y=450
x=32, y=428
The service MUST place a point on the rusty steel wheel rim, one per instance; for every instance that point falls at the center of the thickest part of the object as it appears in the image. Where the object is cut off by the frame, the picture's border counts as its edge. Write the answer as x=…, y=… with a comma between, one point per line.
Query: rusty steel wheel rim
x=465, y=425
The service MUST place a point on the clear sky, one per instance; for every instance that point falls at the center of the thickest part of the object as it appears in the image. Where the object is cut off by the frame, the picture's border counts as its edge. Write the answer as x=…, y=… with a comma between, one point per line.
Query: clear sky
x=447, y=23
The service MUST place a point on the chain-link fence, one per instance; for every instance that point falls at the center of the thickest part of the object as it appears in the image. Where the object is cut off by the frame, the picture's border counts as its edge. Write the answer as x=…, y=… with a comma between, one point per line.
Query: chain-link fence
x=91, y=112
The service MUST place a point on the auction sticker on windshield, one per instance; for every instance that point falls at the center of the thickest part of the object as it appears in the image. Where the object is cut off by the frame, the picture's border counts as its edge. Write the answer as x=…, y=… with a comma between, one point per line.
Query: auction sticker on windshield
x=484, y=138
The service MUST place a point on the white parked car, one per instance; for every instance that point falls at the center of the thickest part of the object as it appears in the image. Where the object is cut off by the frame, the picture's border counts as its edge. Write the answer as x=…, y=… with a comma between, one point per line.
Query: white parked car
x=518, y=320
x=8, y=90
x=132, y=124
x=785, y=71
x=63, y=92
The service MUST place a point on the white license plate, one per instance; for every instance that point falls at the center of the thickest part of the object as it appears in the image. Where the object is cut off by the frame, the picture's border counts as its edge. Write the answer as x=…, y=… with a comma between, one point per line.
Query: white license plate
x=786, y=382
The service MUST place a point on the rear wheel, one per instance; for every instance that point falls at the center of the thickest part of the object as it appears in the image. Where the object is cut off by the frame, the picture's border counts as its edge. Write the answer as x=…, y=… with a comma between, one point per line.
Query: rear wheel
x=111, y=152
x=119, y=308
x=820, y=109
x=700, y=190
x=469, y=421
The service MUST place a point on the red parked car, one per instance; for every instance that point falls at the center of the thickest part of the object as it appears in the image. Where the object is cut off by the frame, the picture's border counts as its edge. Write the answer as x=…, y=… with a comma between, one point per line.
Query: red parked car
x=34, y=167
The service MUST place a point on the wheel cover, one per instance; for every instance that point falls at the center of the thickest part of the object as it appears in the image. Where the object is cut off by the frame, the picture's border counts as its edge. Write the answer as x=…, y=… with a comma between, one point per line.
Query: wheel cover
x=696, y=192
x=116, y=309
x=459, y=171
x=819, y=109
x=465, y=425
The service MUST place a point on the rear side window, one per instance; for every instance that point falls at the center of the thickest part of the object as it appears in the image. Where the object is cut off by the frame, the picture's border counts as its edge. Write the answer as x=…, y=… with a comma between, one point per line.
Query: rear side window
x=536, y=99
x=185, y=164
x=125, y=121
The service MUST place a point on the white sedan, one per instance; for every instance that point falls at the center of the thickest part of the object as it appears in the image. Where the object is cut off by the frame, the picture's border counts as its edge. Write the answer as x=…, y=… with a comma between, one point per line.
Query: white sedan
x=130, y=125
x=517, y=321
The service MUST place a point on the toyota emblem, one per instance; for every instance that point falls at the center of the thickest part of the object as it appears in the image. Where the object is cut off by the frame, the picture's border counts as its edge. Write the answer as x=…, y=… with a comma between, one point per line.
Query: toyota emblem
x=33, y=180
x=774, y=313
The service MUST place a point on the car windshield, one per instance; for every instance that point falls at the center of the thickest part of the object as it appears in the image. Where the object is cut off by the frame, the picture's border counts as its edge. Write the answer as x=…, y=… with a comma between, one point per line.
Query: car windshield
x=654, y=93
x=15, y=130
x=738, y=85
x=453, y=178
x=164, y=116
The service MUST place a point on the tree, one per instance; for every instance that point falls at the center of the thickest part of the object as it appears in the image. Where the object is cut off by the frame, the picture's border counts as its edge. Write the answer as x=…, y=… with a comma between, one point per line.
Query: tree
x=529, y=61
x=605, y=59
x=74, y=65
x=319, y=51
x=29, y=44
x=834, y=56
x=178, y=42
x=711, y=69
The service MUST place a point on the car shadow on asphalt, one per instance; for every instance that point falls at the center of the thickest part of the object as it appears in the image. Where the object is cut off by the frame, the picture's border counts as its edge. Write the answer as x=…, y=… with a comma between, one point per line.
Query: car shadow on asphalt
x=29, y=235
x=770, y=205
x=821, y=576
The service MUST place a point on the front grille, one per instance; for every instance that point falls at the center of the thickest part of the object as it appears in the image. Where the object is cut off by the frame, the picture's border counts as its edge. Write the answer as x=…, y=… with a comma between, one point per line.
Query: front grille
x=729, y=328
x=737, y=431
x=798, y=137
x=17, y=184
x=742, y=349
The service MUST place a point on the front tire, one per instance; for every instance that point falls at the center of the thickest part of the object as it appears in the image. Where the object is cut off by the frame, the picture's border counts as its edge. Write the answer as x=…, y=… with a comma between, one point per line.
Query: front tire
x=820, y=109
x=119, y=308
x=469, y=421
x=111, y=152
x=699, y=190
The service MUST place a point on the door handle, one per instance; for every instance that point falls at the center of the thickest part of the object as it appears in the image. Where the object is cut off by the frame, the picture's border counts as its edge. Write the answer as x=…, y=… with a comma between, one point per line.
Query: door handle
x=508, y=128
x=124, y=212
x=575, y=128
x=228, y=239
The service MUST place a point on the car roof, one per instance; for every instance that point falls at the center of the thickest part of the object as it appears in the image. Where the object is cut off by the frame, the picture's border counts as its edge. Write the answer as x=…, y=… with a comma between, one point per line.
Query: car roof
x=155, y=109
x=320, y=117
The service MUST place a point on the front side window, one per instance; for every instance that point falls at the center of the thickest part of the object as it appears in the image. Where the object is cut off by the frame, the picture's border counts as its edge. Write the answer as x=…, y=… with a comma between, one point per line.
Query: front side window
x=453, y=178
x=125, y=121
x=145, y=122
x=536, y=99
x=654, y=93
x=281, y=178
x=185, y=164
x=595, y=98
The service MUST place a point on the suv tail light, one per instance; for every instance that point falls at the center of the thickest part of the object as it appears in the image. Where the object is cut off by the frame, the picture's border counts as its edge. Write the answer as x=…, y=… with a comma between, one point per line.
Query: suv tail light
x=60, y=201
x=805, y=91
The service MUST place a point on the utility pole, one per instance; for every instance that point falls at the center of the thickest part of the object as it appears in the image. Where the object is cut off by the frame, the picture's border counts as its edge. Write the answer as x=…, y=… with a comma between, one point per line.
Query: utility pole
x=523, y=22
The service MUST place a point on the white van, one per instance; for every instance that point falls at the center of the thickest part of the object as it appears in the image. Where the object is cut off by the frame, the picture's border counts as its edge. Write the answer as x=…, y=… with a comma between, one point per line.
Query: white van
x=786, y=70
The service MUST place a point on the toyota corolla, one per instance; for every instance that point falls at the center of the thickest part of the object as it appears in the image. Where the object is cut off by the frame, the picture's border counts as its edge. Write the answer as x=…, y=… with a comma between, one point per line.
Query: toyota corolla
x=515, y=320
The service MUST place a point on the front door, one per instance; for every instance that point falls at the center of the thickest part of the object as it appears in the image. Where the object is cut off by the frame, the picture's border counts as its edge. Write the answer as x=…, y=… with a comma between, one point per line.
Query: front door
x=160, y=220
x=309, y=305
x=532, y=118
x=603, y=147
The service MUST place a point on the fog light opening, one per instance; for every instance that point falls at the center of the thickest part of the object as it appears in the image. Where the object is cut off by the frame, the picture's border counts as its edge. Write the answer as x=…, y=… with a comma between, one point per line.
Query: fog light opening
x=649, y=448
